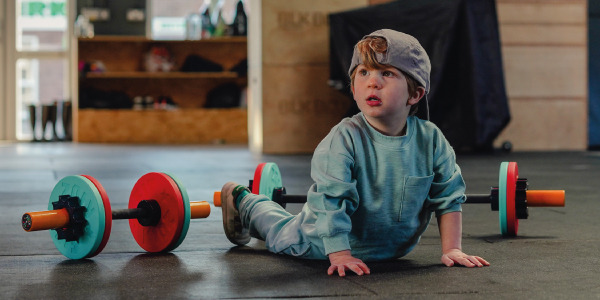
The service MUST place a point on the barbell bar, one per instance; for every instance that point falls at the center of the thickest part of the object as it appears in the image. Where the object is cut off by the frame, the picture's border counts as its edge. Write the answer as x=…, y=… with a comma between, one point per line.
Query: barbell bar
x=80, y=216
x=511, y=197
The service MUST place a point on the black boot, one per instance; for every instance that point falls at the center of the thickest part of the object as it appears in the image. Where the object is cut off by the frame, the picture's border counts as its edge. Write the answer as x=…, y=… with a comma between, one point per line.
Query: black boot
x=46, y=112
x=33, y=121
x=67, y=120
x=53, y=120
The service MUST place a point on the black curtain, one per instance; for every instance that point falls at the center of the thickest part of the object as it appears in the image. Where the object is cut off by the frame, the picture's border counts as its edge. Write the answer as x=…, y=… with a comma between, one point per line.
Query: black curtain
x=467, y=100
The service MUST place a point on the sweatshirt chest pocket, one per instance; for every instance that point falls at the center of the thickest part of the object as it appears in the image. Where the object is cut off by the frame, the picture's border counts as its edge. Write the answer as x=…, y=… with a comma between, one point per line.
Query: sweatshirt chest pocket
x=414, y=194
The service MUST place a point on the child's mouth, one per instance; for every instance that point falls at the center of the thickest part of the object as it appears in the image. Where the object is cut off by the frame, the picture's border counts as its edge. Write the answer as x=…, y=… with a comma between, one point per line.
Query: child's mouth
x=373, y=101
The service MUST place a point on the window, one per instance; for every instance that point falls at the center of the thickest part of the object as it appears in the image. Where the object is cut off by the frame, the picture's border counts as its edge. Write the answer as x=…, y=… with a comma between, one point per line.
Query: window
x=39, y=62
x=169, y=17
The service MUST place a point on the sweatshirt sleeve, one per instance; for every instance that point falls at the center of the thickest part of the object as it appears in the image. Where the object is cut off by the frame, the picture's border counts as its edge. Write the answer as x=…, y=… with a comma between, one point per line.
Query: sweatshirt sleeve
x=447, y=191
x=333, y=197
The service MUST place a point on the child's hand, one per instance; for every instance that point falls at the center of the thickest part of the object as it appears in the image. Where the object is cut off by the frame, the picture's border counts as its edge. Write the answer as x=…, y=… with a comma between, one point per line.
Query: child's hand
x=343, y=260
x=453, y=256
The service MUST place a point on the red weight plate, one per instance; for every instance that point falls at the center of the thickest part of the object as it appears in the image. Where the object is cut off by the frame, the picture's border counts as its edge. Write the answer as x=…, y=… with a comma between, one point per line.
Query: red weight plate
x=512, y=175
x=256, y=180
x=161, y=188
x=107, y=213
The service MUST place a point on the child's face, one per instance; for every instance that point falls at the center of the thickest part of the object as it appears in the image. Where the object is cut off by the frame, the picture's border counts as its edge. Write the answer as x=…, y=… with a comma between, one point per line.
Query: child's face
x=382, y=94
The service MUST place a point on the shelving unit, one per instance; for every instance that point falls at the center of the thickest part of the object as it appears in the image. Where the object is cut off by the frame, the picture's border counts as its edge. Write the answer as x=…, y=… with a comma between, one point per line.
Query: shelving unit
x=172, y=75
x=123, y=59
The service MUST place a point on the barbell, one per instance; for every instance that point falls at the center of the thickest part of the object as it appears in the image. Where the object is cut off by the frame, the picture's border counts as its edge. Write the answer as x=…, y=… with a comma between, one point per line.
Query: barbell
x=80, y=216
x=511, y=198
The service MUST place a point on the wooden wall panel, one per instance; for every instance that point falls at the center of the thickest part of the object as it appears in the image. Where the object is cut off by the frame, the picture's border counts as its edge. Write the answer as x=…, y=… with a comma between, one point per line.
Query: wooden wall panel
x=544, y=49
x=542, y=35
x=547, y=124
x=552, y=12
x=545, y=72
x=299, y=114
x=298, y=108
x=296, y=32
x=190, y=126
x=544, y=46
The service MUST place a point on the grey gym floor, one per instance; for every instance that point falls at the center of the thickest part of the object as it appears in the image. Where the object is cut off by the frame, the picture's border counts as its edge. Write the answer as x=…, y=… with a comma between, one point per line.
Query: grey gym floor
x=555, y=256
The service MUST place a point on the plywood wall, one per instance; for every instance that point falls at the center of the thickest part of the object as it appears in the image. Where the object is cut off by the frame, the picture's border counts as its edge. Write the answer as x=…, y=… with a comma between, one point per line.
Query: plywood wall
x=544, y=48
x=544, y=51
x=291, y=106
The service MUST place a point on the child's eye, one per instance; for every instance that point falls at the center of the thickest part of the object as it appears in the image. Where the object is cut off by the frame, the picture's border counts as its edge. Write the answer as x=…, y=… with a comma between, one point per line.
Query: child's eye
x=388, y=73
x=362, y=72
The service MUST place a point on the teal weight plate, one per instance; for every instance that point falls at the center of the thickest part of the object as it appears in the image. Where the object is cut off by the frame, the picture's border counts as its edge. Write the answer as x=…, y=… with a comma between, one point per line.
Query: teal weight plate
x=90, y=198
x=503, y=215
x=187, y=213
x=270, y=179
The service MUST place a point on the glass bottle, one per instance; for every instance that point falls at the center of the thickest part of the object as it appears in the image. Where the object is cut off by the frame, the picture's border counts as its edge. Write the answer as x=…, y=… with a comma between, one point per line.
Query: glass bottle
x=240, y=22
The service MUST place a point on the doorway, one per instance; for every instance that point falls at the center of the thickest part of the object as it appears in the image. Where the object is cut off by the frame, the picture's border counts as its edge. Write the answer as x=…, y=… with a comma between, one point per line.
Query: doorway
x=35, y=81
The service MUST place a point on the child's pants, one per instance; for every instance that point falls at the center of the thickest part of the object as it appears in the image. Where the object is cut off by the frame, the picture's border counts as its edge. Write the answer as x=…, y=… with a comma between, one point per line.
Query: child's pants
x=282, y=232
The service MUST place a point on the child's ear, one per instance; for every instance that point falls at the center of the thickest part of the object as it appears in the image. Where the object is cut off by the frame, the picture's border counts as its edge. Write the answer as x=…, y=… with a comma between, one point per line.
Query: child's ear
x=417, y=96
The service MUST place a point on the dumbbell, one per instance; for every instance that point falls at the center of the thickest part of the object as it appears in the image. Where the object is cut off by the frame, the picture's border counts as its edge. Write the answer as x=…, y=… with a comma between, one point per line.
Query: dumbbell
x=511, y=198
x=80, y=216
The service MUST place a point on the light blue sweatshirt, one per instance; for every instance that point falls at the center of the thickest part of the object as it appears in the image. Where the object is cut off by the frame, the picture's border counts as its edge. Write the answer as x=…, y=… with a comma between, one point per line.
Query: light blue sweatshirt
x=375, y=194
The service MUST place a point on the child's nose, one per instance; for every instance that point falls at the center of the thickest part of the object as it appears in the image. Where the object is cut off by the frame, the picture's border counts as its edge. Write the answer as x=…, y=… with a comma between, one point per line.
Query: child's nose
x=374, y=82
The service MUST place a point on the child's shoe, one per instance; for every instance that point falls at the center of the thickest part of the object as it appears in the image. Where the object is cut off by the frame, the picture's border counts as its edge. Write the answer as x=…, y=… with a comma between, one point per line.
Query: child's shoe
x=232, y=223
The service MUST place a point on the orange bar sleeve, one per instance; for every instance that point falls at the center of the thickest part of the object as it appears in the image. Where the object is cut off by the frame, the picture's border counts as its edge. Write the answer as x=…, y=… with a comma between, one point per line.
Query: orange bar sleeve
x=44, y=220
x=199, y=209
x=545, y=198
x=217, y=199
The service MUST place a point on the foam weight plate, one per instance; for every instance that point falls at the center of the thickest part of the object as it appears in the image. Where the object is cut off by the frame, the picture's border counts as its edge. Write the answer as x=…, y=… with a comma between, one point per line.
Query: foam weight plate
x=187, y=213
x=266, y=178
x=256, y=179
x=512, y=222
x=90, y=198
x=163, y=189
x=502, y=198
x=107, y=214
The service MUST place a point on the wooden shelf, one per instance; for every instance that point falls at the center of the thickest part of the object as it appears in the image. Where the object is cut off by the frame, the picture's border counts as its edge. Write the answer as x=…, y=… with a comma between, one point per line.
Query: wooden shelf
x=179, y=126
x=143, y=39
x=123, y=58
x=163, y=75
